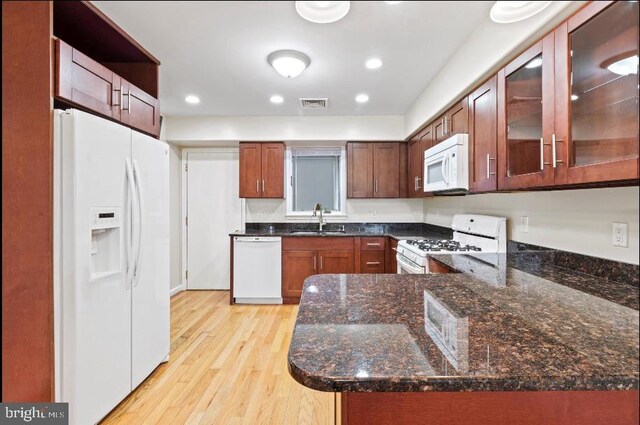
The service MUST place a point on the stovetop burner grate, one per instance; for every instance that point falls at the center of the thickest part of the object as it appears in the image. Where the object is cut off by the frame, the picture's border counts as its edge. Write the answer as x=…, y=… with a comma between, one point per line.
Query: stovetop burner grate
x=435, y=245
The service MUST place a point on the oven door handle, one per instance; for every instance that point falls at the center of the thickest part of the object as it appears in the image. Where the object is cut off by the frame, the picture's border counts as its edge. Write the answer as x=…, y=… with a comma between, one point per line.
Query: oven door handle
x=404, y=263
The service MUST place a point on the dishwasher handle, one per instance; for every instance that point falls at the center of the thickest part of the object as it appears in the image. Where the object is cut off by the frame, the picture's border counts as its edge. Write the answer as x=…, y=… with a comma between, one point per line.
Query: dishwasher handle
x=252, y=239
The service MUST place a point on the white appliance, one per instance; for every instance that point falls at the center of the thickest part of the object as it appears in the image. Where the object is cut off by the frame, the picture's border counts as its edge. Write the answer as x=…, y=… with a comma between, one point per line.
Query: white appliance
x=257, y=270
x=446, y=166
x=481, y=234
x=111, y=284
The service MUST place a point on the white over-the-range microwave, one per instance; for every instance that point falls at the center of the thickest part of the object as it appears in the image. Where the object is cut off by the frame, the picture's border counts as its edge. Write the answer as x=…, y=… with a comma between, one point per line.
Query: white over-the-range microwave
x=446, y=166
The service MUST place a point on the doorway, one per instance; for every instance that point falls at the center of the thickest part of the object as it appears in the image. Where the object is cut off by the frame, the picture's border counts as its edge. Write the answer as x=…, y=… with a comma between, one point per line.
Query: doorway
x=212, y=209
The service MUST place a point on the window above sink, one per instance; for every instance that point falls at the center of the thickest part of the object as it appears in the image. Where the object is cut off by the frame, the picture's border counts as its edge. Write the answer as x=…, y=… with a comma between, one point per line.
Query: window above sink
x=316, y=175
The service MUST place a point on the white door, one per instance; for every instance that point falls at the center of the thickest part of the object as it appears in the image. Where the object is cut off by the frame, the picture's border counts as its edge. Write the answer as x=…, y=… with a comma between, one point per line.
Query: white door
x=95, y=293
x=214, y=210
x=150, y=305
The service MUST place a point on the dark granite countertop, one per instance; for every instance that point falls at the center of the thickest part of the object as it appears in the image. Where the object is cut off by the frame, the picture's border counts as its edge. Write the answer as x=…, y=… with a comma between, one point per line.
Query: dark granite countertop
x=524, y=324
x=397, y=231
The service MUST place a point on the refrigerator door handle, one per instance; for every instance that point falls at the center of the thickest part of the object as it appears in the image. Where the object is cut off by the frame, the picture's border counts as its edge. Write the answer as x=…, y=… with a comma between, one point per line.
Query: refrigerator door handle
x=136, y=267
x=129, y=232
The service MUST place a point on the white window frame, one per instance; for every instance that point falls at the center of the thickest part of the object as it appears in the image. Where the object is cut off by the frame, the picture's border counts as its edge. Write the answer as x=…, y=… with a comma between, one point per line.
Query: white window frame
x=342, y=214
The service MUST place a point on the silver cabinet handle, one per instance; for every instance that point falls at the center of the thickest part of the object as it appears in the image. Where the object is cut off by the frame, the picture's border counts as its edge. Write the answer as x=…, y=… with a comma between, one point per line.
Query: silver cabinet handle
x=314, y=263
x=119, y=98
x=553, y=150
x=375, y=185
x=415, y=184
x=373, y=244
x=321, y=267
x=122, y=108
x=257, y=186
x=262, y=185
x=373, y=263
x=542, y=154
x=489, y=173
x=419, y=183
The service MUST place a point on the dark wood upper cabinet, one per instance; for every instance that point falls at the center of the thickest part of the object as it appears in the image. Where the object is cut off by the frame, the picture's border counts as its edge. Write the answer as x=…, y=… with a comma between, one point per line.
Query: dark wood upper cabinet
x=273, y=170
x=360, y=170
x=440, y=129
x=139, y=110
x=596, y=103
x=84, y=83
x=415, y=167
x=261, y=170
x=457, y=118
x=483, y=137
x=526, y=118
x=376, y=170
x=422, y=141
x=250, y=170
x=386, y=170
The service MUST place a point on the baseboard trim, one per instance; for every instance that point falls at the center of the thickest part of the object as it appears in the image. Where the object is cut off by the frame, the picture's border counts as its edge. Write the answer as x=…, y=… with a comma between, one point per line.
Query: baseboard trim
x=175, y=290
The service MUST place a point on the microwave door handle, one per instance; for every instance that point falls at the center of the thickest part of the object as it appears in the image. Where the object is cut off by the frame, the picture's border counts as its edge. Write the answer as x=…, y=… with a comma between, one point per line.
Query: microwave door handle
x=445, y=168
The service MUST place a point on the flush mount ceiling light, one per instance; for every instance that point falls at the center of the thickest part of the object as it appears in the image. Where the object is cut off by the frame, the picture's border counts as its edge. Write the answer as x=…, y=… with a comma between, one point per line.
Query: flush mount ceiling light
x=323, y=12
x=506, y=12
x=276, y=98
x=192, y=99
x=289, y=63
x=393, y=2
x=362, y=98
x=373, y=63
x=624, y=64
x=534, y=63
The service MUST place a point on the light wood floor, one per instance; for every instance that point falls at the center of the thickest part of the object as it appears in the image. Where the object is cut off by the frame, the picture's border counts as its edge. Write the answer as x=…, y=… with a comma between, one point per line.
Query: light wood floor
x=228, y=365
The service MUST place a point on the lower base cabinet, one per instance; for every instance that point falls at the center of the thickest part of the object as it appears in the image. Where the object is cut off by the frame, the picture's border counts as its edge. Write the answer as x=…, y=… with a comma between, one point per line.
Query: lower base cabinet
x=304, y=257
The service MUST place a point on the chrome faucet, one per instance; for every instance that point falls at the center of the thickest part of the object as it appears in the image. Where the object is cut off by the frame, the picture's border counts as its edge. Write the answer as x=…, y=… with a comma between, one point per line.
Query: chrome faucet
x=316, y=208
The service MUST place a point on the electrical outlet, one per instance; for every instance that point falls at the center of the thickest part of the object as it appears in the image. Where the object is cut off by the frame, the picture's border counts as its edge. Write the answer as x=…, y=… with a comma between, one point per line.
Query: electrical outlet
x=524, y=224
x=620, y=234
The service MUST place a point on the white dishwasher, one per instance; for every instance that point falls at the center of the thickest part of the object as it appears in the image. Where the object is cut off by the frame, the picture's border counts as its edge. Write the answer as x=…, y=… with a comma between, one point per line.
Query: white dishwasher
x=257, y=270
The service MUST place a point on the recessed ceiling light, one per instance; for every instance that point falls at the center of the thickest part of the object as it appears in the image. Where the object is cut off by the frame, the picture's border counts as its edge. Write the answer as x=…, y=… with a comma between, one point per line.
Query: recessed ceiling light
x=289, y=63
x=626, y=66
x=574, y=97
x=534, y=63
x=373, y=63
x=362, y=98
x=192, y=99
x=506, y=12
x=276, y=98
x=323, y=12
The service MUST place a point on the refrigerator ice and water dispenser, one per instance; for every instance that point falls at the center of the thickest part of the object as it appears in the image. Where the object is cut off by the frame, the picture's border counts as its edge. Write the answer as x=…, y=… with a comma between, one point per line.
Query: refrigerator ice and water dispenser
x=105, y=242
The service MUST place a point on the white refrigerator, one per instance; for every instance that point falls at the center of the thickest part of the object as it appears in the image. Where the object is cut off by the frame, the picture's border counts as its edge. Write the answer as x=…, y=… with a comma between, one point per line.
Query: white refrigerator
x=111, y=256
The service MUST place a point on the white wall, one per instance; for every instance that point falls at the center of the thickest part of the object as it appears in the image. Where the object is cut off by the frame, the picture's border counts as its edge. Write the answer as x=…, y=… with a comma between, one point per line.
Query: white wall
x=486, y=50
x=175, y=214
x=571, y=220
x=358, y=210
x=207, y=130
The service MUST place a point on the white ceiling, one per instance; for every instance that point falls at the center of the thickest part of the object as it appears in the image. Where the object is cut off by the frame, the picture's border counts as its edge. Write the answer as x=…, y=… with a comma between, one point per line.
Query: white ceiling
x=217, y=51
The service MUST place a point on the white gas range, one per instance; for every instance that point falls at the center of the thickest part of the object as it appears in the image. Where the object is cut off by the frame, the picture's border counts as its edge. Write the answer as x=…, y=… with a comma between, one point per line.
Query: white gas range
x=471, y=234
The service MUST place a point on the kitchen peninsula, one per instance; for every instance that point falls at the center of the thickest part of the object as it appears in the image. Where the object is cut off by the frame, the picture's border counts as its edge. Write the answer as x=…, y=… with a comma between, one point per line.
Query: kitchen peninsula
x=526, y=342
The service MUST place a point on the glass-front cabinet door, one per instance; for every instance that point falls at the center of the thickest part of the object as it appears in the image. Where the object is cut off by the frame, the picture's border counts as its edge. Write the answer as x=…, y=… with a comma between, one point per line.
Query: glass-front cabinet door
x=596, y=137
x=525, y=118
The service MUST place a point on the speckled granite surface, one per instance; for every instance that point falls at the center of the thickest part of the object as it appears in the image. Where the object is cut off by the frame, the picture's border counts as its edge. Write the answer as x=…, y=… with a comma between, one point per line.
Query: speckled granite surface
x=523, y=325
x=397, y=231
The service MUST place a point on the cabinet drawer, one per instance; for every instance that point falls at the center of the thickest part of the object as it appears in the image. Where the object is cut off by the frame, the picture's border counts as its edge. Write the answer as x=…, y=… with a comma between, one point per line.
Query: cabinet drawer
x=317, y=243
x=372, y=244
x=372, y=262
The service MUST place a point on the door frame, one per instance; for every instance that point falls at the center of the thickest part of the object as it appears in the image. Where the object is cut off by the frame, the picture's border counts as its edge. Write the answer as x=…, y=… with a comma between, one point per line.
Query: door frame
x=184, y=186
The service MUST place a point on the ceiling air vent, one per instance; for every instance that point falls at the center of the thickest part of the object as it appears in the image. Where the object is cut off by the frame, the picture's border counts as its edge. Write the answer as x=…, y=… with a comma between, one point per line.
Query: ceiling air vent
x=313, y=103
